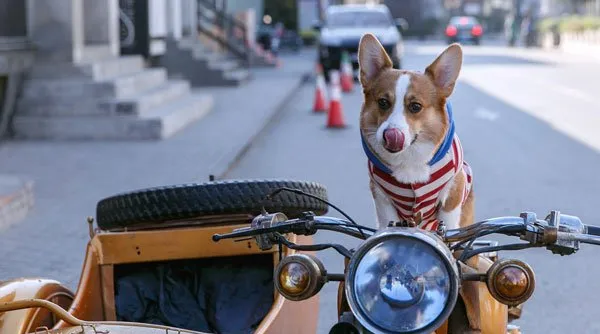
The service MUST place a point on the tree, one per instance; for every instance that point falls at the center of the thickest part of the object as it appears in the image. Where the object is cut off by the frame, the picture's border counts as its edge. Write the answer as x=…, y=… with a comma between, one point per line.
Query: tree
x=285, y=11
x=573, y=5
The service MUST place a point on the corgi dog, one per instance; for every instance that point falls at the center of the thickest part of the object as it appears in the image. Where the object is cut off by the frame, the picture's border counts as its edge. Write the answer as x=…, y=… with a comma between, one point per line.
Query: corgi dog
x=415, y=159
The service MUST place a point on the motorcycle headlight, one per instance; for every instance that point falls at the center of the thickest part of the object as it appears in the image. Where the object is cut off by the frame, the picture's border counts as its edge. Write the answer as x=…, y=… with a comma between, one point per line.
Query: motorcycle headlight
x=402, y=281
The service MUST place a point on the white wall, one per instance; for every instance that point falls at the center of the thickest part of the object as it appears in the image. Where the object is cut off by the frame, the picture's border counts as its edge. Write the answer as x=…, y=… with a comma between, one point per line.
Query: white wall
x=175, y=18
x=158, y=27
x=157, y=18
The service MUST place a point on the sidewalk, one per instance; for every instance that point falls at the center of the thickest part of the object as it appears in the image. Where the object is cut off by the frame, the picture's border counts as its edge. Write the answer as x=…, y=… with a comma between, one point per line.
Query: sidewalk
x=71, y=177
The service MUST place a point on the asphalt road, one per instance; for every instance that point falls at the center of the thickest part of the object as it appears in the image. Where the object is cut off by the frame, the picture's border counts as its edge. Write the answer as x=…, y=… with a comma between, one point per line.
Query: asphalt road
x=527, y=121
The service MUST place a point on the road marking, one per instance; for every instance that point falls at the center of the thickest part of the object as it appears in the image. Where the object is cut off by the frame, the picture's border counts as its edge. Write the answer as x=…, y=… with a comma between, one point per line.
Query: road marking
x=486, y=114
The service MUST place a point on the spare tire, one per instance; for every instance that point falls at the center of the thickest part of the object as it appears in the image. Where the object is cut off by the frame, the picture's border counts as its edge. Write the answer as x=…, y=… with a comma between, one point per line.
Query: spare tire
x=179, y=202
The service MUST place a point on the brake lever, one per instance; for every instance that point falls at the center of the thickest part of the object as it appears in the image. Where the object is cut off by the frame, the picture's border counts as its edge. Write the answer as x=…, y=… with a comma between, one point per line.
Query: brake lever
x=264, y=226
x=237, y=233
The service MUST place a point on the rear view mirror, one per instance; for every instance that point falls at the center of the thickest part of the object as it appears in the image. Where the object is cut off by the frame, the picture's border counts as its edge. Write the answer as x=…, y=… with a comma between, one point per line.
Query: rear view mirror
x=402, y=24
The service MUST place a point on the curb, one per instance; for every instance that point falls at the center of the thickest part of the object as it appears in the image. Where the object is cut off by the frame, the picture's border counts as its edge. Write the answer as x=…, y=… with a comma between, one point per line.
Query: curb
x=16, y=200
x=280, y=107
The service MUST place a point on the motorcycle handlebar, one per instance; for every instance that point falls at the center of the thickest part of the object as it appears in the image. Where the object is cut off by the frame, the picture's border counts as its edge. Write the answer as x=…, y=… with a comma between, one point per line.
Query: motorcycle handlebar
x=238, y=233
x=503, y=225
x=584, y=238
x=249, y=231
x=299, y=226
x=593, y=230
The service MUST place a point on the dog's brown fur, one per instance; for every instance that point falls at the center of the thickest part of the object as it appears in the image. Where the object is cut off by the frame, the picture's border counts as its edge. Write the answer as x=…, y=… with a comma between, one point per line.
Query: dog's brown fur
x=430, y=90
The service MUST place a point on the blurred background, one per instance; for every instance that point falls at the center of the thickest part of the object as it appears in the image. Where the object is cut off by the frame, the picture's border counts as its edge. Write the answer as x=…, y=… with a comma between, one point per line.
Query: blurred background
x=99, y=97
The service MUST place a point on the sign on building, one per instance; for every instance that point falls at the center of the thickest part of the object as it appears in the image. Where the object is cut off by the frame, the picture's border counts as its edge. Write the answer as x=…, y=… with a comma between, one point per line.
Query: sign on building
x=143, y=27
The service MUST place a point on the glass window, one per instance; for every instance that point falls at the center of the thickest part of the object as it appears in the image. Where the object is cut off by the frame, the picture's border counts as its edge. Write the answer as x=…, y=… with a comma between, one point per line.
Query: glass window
x=358, y=19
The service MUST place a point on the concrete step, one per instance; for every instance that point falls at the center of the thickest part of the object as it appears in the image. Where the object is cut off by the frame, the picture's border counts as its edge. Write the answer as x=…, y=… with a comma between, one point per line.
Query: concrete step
x=239, y=75
x=223, y=65
x=217, y=78
x=207, y=55
x=135, y=104
x=186, y=112
x=201, y=52
x=16, y=199
x=91, y=53
x=161, y=122
x=31, y=106
x=136, y=83
x=99, y=71
x=122, y=86
x=146, y=100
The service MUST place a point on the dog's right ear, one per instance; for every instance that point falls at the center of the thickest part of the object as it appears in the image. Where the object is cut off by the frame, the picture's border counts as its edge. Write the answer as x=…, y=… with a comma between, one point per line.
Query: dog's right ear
x=445, y=69
x=372, y=58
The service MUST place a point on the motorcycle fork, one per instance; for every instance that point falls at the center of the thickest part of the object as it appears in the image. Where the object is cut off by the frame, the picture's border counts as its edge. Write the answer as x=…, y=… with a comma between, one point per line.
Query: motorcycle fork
x=342, y=302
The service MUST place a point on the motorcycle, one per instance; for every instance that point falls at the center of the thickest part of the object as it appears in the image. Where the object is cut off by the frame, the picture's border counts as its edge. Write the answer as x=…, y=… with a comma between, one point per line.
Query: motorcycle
x=407, y=280
x=157, y=262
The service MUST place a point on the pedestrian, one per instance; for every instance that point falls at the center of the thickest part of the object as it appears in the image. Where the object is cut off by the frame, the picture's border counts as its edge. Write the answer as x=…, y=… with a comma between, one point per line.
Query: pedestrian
x=511, y=26
x=525, y=29
x=276, y=40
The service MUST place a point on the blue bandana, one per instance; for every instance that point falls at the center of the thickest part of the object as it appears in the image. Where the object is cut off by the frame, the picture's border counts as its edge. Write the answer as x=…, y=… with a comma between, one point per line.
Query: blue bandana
x=439, y=154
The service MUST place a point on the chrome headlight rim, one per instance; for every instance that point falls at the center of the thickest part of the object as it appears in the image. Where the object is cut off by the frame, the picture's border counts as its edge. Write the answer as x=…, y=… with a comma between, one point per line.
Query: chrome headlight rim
x=395, y=233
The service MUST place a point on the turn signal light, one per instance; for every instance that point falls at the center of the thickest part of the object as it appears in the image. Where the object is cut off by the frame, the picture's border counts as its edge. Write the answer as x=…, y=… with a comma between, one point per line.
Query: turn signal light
x=299, y=276
x=511, y=282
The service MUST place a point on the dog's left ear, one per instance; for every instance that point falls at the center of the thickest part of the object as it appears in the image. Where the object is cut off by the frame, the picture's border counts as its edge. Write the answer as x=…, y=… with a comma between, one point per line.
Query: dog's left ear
x=445, y=69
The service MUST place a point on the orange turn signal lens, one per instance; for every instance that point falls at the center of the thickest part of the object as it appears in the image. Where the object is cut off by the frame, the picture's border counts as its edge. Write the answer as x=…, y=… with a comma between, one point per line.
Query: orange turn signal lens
x=299, y=276
x=511, y=282
x=294, y=278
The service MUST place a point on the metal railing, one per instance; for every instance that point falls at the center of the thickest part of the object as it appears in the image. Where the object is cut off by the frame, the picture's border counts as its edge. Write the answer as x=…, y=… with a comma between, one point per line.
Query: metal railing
x=224, y=29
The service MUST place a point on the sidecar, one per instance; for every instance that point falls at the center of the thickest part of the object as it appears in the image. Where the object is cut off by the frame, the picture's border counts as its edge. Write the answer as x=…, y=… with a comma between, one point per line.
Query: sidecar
x=151, y=267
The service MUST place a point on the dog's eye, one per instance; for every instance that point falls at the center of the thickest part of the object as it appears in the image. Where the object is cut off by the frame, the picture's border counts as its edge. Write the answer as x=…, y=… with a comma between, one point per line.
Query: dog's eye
x=384, y=104
x=414, y=107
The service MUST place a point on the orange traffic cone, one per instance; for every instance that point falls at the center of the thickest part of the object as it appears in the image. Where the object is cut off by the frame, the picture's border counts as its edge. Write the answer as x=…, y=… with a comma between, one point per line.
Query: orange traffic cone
x=336, y=116
x=347, y=73
x=320, y=93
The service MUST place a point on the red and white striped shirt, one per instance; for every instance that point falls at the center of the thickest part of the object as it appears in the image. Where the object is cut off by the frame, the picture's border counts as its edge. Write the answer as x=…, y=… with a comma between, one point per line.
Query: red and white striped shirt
x=412, y=199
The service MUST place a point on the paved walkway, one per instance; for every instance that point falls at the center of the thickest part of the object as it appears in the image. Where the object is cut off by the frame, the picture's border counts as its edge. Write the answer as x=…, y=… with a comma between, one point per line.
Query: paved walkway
x=71, y=177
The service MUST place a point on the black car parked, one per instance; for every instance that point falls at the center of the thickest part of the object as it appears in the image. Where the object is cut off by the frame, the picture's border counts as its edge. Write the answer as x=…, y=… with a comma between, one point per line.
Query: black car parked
x=464, y=29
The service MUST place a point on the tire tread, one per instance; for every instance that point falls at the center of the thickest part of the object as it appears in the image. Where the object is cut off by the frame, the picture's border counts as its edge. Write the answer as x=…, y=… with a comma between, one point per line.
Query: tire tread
x=185, y=201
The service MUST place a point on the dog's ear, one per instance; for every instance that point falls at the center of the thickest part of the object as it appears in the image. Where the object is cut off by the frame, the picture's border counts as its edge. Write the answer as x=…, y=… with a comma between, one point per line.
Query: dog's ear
x=445, y=69
x=372, y=58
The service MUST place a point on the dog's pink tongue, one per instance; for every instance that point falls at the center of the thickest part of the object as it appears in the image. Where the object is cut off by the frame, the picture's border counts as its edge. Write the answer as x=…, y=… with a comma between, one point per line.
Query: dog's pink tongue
x=394, y=140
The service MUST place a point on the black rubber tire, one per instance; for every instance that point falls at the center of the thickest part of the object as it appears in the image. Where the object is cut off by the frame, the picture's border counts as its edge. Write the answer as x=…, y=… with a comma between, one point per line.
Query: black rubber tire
x=172, y=203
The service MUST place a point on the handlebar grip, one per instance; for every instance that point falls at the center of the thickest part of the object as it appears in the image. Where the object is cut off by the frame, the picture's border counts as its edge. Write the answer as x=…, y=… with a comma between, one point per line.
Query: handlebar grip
x=240, y=232
x=593, y=230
